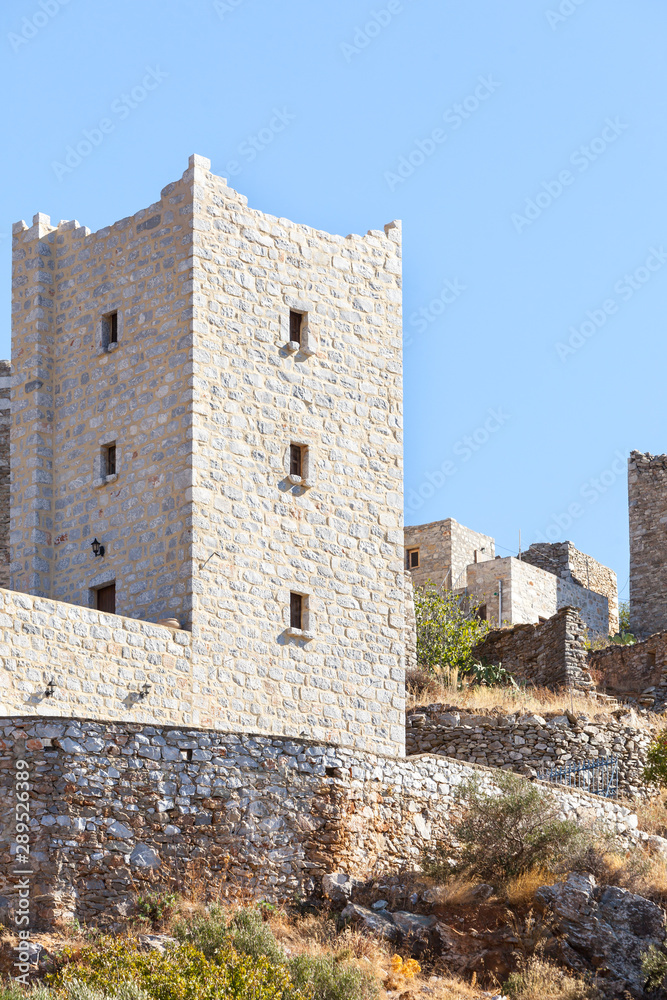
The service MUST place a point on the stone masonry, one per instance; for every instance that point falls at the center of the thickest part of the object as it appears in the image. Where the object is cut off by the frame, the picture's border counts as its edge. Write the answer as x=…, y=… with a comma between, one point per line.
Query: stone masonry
x=513, y=592
x=203, y=396
x=117, y=808
x=583, y=583
x=445, y=550
x=550, y=654
x=531, y=744
x=5, y=420
x=647, y=495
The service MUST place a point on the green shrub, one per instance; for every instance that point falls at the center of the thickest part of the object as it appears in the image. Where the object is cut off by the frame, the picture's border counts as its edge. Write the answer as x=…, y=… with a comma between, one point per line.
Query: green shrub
x=245, y=931
x=506, y=833
x=206, y=932
x=489, y=674
x=182, y=972
x=328, y=979
x=448, y=627
x=156, y=906
x=654, y=967
x=655, y=771
x=76, y=990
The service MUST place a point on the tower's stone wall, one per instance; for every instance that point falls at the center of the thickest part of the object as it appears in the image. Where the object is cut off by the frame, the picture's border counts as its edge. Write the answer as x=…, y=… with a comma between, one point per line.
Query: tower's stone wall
x=5, y=422
x=72, y=396
x=203, y=520
x=513, y=592
x=336, y=537
x=647, y=495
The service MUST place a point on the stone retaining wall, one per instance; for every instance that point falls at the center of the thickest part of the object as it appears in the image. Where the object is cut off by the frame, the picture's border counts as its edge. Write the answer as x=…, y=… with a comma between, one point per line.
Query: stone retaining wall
x=528, y=744
x=550, y=654
x=116, y=806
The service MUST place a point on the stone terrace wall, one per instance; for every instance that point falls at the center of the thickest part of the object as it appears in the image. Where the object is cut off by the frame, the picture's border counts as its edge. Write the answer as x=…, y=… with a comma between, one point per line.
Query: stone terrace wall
x=528, y=744
x=634, y=673
x=115, y=806
x=5, y=422
x=550, y=654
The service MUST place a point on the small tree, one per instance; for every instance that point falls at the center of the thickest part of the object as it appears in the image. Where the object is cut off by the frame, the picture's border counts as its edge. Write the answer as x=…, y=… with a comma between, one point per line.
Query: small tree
x=448, y=628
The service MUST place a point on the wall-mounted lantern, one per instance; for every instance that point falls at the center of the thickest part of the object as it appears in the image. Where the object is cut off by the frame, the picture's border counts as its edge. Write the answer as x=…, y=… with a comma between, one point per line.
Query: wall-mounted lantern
x=98, y=550
x=50, y=689
x=144, y=691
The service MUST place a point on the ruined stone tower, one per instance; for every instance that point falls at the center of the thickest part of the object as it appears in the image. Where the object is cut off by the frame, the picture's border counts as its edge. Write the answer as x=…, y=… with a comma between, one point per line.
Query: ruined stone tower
x=213, y=395
x=647, y=496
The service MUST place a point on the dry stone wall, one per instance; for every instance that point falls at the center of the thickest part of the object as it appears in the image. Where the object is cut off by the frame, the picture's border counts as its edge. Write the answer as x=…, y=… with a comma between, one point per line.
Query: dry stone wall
x=634, y=673
x=550, y=654
x=117, y=806
x=530, y=744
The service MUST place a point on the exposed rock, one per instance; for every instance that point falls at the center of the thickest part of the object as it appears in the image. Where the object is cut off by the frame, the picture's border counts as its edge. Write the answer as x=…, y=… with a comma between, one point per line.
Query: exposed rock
x=604, y=929
x=144, y=856
x=338, y=886
x=156, y=942
x=377, y=923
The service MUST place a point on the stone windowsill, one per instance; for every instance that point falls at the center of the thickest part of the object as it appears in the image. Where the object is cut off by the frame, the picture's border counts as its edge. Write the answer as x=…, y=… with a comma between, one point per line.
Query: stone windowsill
x=105, y=482
x=299, y=633
x=300, y=481
x=112, y=347
x=294, y=347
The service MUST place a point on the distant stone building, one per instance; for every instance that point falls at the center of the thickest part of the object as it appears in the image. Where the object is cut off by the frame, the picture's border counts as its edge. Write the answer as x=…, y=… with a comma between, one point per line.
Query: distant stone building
x=647, y=495
x=440, y=552
x=511, y=590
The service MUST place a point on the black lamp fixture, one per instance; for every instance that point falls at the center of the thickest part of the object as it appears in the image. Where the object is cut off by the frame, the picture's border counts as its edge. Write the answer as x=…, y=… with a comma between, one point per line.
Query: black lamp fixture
x=50, y=689
x=144, y=691
x=98, y=550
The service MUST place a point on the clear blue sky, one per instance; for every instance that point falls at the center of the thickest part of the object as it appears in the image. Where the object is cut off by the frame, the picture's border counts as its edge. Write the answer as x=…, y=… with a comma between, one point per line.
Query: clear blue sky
x=534, y=199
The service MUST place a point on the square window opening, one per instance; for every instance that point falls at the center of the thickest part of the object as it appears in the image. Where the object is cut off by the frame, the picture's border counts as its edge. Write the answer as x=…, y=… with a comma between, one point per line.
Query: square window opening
x=295, y=323
x=412, y=559
x=296, y=610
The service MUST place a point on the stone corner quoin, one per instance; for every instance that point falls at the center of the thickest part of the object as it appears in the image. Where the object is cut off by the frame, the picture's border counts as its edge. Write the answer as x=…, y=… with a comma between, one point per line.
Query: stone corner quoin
x=157, y=396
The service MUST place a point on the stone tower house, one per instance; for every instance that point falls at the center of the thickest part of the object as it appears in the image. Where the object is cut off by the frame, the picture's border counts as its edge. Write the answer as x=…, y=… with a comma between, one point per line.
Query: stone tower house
x=214, y=395
x=647, y=496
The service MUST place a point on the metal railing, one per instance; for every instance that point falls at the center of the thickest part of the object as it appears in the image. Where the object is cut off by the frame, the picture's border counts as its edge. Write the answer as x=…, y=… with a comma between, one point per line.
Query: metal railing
x=599, y=777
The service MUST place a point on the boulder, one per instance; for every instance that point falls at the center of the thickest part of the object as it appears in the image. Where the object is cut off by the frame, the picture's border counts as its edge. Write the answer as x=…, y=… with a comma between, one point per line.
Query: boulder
x=338, y=886
x=380, y=924
x=604, y=929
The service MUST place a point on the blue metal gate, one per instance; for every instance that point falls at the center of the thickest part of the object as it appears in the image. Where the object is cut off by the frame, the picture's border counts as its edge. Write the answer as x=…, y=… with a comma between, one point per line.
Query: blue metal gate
x=600, y=777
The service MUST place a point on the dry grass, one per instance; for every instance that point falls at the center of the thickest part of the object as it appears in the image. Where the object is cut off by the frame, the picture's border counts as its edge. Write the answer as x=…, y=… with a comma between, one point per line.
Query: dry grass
x=520, y=891
x=477, y=698
x=651, y=813
x=540, y=979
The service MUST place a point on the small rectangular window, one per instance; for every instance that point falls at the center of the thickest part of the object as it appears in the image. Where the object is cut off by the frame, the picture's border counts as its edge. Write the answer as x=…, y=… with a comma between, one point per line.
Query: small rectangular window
x=109, y=459
x=296, y=610
x=295, y=320
x=481, y=612
x=113, y=327
x=105, y=599
x=412, y=559
x=295, y=460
